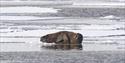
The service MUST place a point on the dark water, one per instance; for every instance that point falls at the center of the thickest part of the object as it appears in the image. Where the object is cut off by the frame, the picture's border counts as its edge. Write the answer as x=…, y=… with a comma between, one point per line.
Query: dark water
x=75, y=56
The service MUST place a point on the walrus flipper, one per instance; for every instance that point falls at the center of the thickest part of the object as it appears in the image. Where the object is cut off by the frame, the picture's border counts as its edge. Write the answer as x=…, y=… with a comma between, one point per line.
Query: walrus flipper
x=80, y=38
x=59, y=39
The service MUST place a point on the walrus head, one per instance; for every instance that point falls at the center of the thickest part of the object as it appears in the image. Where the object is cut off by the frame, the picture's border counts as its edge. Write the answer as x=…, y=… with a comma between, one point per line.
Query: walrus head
x=44, y=38
x=49, y=38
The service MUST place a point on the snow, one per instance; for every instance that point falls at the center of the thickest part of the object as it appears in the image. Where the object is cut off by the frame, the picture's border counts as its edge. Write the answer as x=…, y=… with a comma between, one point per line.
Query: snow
x=25, y=18
x=27, y=10
x=34, y=3
x=18, y=17
x=110, y=17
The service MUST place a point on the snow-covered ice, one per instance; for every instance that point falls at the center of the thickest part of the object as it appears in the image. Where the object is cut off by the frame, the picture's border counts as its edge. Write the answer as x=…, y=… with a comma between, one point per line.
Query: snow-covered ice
x=23, y=33
x=27, y=10
x=25, y=18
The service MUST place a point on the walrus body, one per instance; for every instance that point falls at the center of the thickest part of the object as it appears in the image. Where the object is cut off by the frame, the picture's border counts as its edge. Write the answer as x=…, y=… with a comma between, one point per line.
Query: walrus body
x=64, y=40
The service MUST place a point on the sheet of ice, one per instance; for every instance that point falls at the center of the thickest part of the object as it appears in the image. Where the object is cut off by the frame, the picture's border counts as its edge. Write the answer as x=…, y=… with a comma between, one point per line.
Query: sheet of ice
x=59, y=20
x=16, y=28
x=84, y=2
x=17, y=47
x=27, y=10
x=101, y=27
x=110, y=17
x=32, y=42
x=18, y=18
x=84, y=32
x=73, y=20
x=34, y=3
x=25, y=18
x=95, y=30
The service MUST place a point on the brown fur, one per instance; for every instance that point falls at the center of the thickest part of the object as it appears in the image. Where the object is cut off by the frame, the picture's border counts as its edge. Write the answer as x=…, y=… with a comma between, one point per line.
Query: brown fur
x=63, y=40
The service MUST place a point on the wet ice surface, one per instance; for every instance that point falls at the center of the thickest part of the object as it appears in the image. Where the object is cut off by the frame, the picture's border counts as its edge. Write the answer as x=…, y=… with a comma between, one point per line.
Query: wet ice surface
x=90, y=43
x=22, y=32
x=99, y=34
x=104, y=39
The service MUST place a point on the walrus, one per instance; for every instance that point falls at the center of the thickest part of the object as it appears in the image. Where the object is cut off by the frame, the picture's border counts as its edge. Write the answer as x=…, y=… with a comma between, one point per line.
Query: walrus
x=64, y=40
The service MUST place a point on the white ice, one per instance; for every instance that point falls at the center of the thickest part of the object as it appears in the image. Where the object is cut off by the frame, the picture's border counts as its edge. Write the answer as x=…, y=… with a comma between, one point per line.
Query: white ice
x=25, y=18
x=27, y=10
